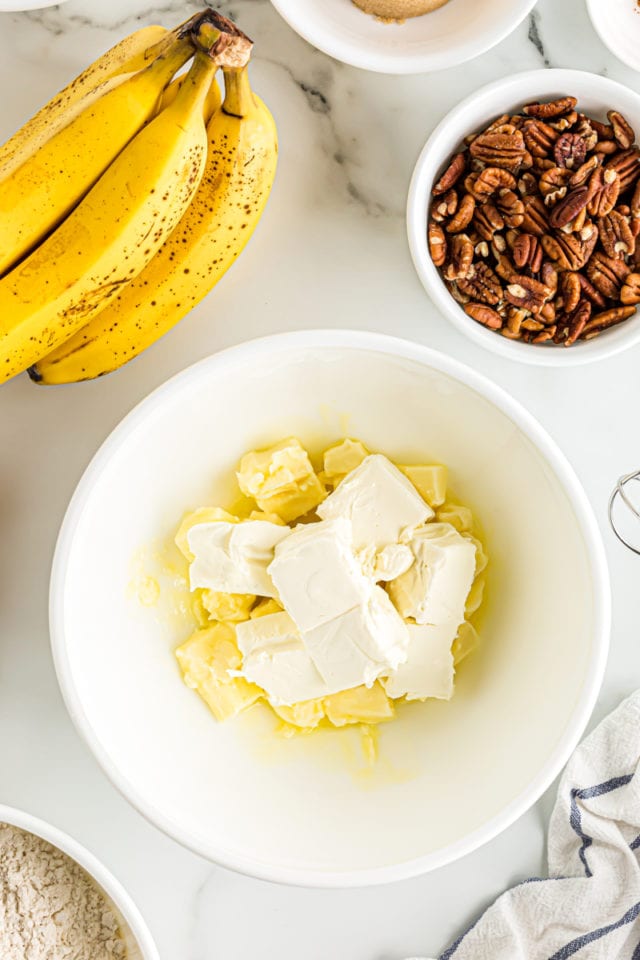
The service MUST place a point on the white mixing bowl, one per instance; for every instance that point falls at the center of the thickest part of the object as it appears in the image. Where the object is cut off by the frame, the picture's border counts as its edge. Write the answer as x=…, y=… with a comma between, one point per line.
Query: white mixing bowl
x=457, y=32
x=450, y=775
x=137, y=938
x=596, y=95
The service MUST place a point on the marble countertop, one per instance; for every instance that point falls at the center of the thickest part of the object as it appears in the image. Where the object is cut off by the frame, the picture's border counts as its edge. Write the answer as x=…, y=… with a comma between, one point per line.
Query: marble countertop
x=349, y=141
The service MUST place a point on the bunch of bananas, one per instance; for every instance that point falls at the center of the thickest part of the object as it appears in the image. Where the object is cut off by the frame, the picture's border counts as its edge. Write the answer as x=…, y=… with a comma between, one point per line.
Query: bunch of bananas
x=125, y=199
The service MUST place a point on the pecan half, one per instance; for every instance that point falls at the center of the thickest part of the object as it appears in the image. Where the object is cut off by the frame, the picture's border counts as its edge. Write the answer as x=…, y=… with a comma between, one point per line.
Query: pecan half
x=600, y=321
x=502, y=147
x=583, y=173
x=590, y=291
x=570, y=290
x=570, y=151
x=535, y=218
x=607, y=275
x=553, y=184
x=604, y=187
x=630, y=292
x=616, y=236
x=445, y=207
x=515, y=318
x=539, y=137
x=504, y=268
x=511, y=207
x=482, y=285
x=487, y=220
x=549, y=276
x=553, y=109
x=627, y=166
x=622, y=130
x=569, y=251
x=527, y=252
x=461, y=257
x=527, y=185
x=451, y=175
x=569, y=208
x=437, y=243
x=463, y=215
x=565, y=122
x=527, y=293
x=489, y=181
x=576, y=322
x=483, y=314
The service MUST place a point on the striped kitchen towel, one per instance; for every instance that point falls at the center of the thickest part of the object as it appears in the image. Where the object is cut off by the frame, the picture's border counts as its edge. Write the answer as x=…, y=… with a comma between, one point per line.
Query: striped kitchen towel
x=589, y=908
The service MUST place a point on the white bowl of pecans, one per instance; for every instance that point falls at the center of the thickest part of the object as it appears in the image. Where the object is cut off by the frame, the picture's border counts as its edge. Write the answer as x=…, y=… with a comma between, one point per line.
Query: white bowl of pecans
x=523, y=214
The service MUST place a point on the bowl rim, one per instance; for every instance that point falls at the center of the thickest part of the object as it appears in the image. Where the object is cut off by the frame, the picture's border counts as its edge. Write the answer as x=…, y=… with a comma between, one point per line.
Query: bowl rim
x=100, y=874
x=418, y=198
x=592, y=6
x=356, y=55
x=253, y=351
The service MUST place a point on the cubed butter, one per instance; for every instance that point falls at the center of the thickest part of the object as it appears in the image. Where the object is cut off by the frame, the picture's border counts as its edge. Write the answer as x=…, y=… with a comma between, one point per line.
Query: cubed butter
x=228, y=607
x=205, y=660
x=264, y=607
x=281, y=480
x=430, y=481
x=340, y=460
x=306, y=716
x=379, y=501
x=360, y=705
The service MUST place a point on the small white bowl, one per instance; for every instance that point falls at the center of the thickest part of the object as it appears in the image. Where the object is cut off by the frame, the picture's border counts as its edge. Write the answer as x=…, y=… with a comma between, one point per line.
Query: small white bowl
x=444, y=38
x=595, y=96
x=138, y=940
x=618, y=24
x=451, y=775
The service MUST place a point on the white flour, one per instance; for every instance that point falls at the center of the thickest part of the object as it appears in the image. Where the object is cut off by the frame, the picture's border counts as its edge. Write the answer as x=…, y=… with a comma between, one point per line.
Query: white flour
x=50, y=909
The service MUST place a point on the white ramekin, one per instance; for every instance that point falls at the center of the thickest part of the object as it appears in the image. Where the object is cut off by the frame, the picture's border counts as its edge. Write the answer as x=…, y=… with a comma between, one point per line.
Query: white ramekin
x=140, y=945
x=595, y=95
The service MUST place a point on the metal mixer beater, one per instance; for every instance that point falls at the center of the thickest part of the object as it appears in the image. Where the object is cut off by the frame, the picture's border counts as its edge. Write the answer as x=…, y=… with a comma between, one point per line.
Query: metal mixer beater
x=624, y=512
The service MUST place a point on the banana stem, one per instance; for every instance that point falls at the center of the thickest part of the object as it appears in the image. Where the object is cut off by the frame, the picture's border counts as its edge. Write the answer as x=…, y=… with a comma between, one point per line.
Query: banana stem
x=238, y=98
x=220, y=39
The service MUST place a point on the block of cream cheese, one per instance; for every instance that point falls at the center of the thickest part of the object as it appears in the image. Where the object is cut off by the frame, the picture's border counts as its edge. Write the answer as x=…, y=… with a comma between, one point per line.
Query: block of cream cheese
x=434, y=589
x=316, y=574
x=361, y=645
x=234, y=557
x=276, y=659
x=428, y=669
x=381, y=503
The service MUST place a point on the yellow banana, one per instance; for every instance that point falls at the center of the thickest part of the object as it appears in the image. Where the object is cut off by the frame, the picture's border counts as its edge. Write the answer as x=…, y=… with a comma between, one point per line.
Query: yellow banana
x=112, y=234
x=128, y=56
x=211, y=104
x=240, y=168
x=39, y=194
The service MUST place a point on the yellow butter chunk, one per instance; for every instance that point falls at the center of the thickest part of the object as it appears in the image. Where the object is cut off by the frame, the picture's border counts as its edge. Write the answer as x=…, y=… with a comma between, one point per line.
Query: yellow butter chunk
x=264, y=607
x=429, y=481
x=281, y=480
x=358, y=705
x=205, y=660
x=475, y=596
x=466, y=641
x=229, y=607
x=459, y=517
x=201, y=515
x=306, y=715
x=481, y=555
x=340, y=460
x=198, y=609
x=268, y=517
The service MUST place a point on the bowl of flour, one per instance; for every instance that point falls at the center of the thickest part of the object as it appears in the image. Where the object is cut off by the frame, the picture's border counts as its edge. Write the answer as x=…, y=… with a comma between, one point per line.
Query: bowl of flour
x=58, y=902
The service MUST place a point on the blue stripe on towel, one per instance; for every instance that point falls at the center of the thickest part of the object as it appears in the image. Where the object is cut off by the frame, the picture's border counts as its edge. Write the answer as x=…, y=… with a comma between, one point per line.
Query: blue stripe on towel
x=574, y=945
x=575, y=818
x=635, y=843
x=636, y=953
